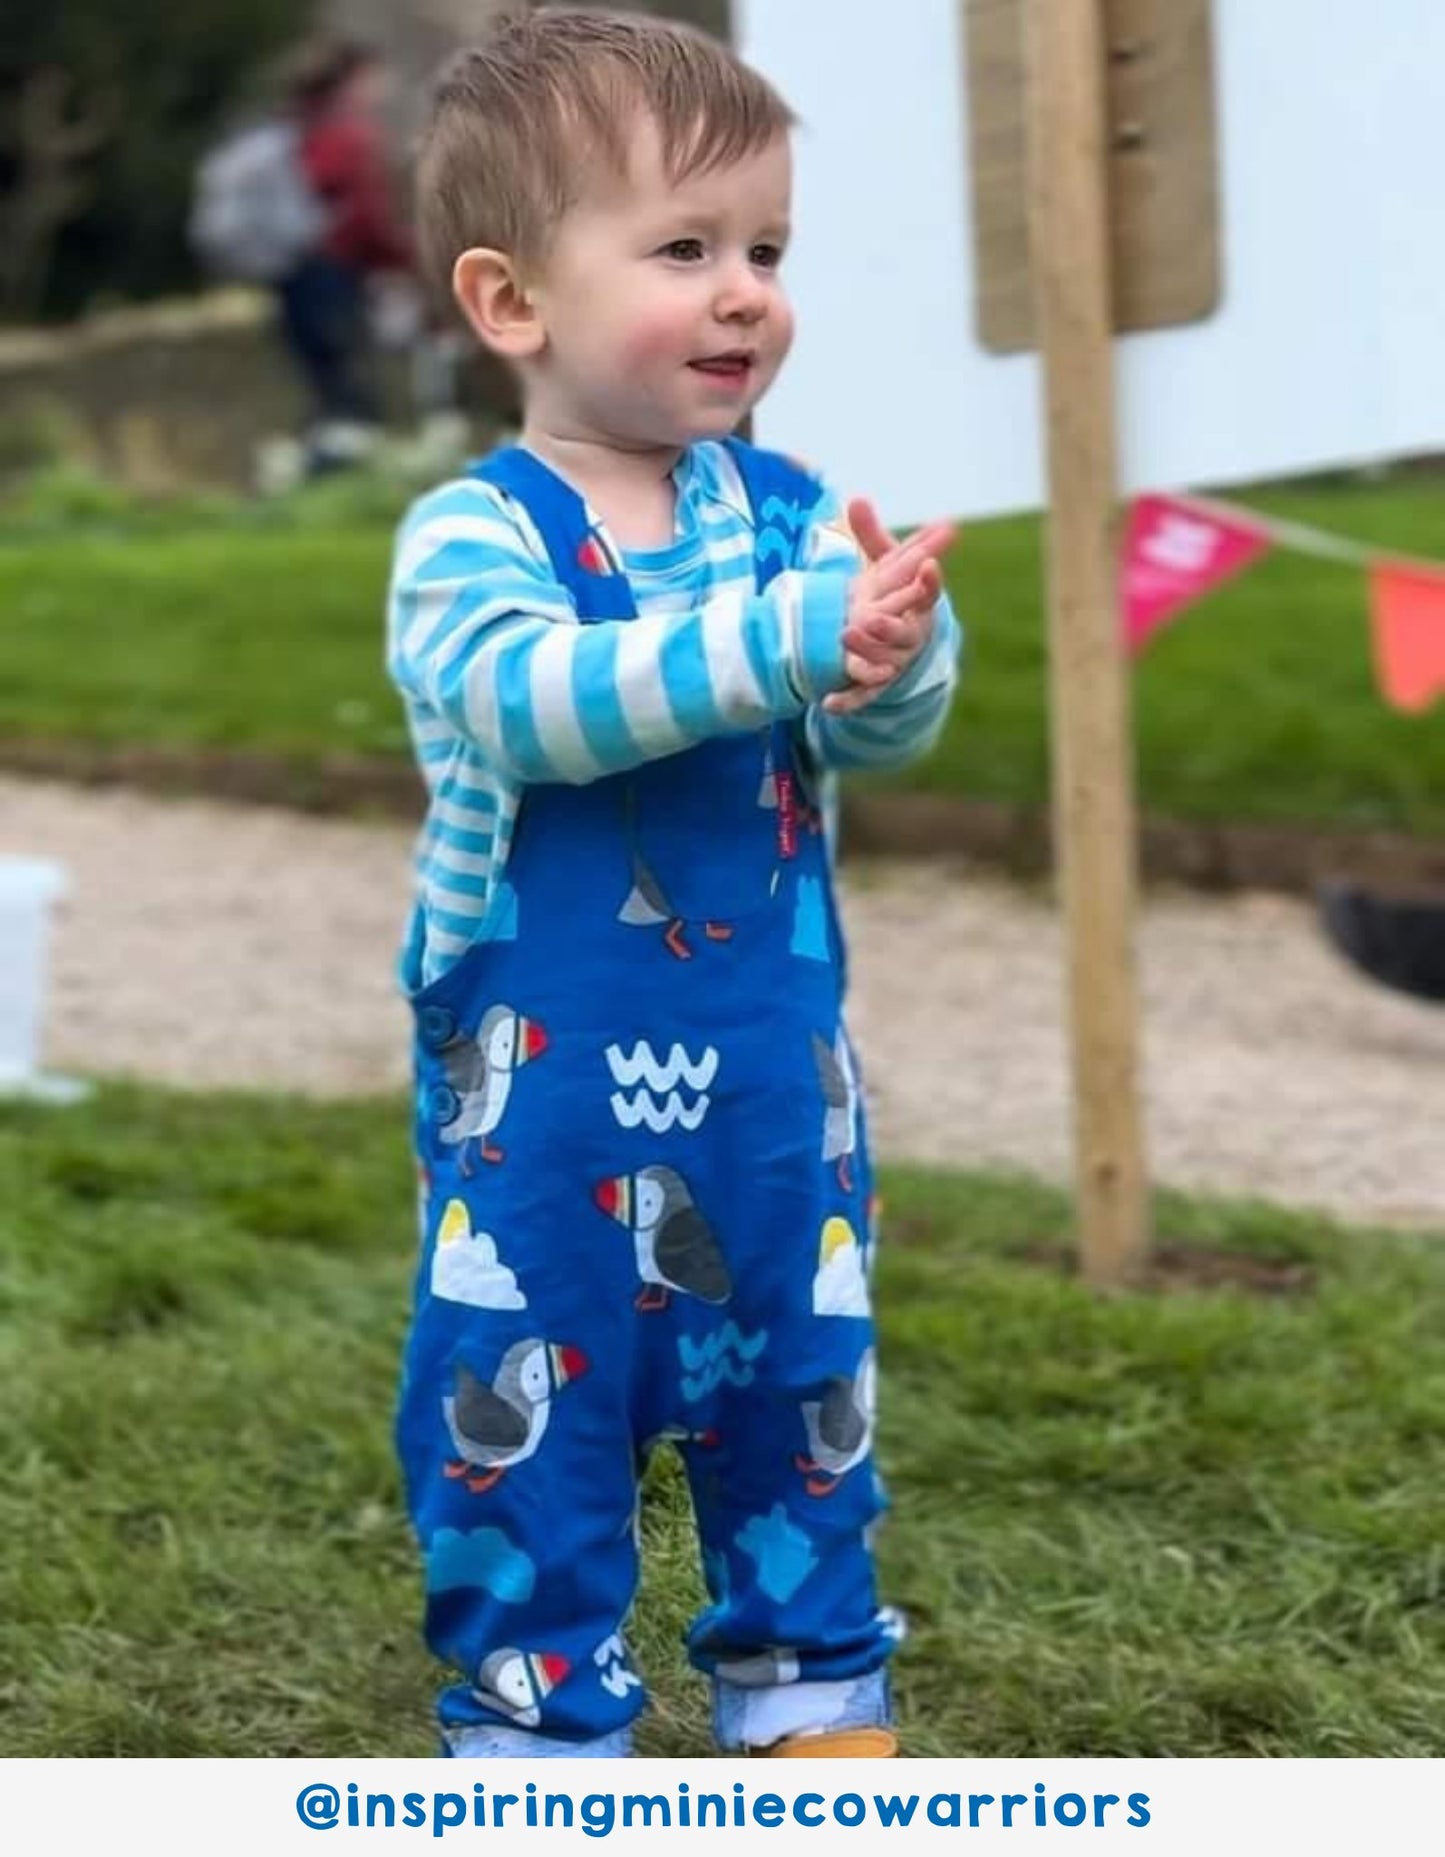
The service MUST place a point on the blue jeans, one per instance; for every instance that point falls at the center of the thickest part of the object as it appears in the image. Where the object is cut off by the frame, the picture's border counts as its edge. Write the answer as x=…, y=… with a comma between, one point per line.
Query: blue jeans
x=323, y=323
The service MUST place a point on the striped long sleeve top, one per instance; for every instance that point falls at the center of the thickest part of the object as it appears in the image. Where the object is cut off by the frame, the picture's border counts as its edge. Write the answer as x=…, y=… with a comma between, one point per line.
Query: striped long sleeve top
x=504, y=688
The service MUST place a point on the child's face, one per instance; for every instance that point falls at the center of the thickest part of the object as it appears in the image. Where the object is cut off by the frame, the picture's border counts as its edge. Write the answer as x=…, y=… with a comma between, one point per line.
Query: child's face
x=663, y=310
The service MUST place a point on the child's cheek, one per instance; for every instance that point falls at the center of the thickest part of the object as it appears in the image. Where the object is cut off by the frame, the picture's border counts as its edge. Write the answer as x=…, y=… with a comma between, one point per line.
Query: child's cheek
x=656, y=338
x=780, y=326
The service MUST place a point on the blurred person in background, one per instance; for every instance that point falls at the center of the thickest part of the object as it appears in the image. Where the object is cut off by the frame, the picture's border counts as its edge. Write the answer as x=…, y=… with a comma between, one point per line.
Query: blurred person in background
x=299, y=202
x=338, y=92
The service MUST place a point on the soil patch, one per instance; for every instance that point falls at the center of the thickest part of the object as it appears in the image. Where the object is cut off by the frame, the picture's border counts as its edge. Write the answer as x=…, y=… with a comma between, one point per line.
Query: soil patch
x=1175, y=1269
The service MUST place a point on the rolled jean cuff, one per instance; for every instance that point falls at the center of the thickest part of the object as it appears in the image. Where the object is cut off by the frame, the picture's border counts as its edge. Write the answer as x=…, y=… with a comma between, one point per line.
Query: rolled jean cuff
x=482, y=1742
x=745, y=1717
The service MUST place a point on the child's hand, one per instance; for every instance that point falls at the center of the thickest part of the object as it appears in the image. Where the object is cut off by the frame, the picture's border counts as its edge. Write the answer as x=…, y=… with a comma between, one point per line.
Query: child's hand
x=890, y=608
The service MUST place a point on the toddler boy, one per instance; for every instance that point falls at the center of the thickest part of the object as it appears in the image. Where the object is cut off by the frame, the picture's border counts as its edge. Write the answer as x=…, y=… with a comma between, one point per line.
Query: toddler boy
x=632, y=649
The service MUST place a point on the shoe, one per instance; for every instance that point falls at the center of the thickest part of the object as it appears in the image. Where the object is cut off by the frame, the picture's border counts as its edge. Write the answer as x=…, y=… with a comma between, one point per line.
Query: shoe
x=837, y=1744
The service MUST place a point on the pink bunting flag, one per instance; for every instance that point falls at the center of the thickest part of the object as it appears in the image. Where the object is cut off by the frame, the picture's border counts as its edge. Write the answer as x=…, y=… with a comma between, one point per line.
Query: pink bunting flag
x=1175, y=552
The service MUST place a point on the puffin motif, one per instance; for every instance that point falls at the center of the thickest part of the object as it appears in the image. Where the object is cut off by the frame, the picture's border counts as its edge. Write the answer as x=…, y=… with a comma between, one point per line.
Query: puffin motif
x=593, y=558
x=839, y=1427
x=493, y=1427
x=839, y=1082
x=647, y=906
x=479, y=1074
x=516, y=1683
x=676, y=1248
x=768, y=785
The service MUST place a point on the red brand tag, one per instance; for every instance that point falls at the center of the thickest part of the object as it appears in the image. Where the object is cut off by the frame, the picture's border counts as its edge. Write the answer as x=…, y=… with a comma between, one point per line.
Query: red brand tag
x=787, y=817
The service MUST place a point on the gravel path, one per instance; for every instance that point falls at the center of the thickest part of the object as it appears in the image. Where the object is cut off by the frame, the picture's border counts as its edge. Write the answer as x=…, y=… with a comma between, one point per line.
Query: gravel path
x=212, y=945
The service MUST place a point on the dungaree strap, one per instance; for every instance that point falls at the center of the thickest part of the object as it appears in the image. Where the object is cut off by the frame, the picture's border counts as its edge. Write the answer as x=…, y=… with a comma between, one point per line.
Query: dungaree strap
x=780, y=495
x=559, y=516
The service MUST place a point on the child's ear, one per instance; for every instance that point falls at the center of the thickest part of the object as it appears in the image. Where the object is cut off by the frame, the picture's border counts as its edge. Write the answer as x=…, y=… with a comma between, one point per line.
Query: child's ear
x=491, y=296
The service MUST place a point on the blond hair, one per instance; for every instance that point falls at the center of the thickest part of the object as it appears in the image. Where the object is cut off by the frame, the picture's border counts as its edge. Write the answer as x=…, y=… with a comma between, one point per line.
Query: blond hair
x=523, y=119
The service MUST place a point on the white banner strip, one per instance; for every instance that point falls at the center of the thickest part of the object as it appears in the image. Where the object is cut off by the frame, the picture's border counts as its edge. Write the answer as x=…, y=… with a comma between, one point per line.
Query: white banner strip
x=220, y=1807
x=1305, y=540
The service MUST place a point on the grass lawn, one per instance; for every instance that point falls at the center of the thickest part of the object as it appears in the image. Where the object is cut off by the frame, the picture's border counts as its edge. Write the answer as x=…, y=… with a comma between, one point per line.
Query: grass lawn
x=244, y=634
x=1199, y=1523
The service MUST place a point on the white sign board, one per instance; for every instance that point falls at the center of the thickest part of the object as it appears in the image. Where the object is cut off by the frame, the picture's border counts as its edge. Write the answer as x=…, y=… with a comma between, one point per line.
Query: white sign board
x=1327, y=347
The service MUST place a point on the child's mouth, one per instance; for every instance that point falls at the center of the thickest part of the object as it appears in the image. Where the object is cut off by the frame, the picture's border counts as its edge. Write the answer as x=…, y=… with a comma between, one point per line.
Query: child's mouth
x=732, y=367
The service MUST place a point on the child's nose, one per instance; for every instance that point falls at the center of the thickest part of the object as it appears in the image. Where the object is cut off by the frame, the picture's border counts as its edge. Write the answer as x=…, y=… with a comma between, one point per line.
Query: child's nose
x=742, y=296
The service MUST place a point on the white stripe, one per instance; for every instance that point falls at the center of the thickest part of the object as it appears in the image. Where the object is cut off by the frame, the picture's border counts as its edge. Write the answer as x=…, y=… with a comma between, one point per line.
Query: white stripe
x=480, y=699
x=554, y=708
x=429, y=608
x=830, y=549
x=444, y=942
x=644, y=696
x=442, y=951
x=473, y=776
x=529, y=535
x=448, y=818
x=727, y=483
x=455, y=902
x=735, y=687
x=463, y=863
x=728, y=545
x=490, y=532
x=670, y=605
x=499, y=615
x=786, y=590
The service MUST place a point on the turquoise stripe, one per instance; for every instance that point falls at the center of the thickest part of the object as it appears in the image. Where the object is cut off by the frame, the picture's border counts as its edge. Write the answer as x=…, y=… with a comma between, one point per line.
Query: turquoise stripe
x=400, y=620
x=488, y=601
x=454, y=678
x=462, y=609
x=823, y=612
x=458, y=558
x=763, y=645
x=686, y=683
x=461, y=792
x=460, y=497
x=474, y=786
x=447, y=922
x=459, y=838
x=877, y=736
x=898, y=719
x=521, y=745
x=597, y=700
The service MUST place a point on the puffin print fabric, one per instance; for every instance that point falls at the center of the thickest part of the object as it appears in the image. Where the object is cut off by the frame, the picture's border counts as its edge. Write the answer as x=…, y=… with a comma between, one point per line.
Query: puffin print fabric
x=646, y=1218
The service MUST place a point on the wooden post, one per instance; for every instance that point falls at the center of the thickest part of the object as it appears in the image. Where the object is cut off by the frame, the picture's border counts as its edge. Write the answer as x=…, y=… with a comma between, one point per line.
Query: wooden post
x=1094, y=818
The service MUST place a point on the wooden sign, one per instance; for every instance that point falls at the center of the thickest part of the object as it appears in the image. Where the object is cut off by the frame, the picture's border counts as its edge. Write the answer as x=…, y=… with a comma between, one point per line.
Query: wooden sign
x=1162, y=182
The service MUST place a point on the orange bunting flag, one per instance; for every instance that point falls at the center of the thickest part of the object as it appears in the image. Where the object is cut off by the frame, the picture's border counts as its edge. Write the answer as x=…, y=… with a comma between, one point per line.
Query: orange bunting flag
x=1407, y=606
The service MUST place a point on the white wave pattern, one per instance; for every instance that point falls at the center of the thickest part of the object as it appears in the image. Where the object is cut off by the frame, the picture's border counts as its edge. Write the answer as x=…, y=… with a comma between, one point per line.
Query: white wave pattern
x=642, y=1065
x=643, y=1107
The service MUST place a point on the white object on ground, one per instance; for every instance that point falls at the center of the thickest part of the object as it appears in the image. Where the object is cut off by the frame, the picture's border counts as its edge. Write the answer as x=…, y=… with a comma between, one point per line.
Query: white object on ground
x=28, y=887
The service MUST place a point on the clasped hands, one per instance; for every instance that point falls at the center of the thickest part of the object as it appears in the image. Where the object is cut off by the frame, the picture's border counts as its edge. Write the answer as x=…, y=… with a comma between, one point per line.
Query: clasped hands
x=890, y=605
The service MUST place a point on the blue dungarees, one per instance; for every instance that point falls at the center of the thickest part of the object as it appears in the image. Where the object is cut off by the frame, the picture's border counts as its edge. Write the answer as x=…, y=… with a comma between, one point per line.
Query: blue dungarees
x=646, y=1212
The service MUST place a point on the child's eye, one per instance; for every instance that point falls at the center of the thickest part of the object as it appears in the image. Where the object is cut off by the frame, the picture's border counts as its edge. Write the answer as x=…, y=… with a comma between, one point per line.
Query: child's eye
x=766, y=257
x=686, y=251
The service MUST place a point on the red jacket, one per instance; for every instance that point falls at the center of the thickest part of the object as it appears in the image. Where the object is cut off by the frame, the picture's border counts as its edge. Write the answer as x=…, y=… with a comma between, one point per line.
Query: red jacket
x=345, y=161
